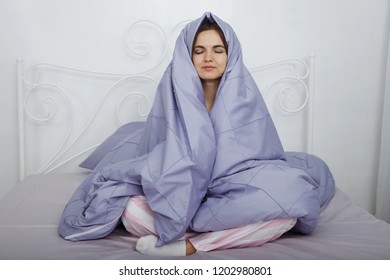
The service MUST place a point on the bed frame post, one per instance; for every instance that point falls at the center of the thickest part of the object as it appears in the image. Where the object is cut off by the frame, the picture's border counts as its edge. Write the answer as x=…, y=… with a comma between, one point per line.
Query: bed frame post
x=20, y=77
x=310, y=117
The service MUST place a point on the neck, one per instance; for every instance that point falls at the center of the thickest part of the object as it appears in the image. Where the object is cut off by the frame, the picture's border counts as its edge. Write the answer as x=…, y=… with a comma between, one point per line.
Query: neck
x=210, y=91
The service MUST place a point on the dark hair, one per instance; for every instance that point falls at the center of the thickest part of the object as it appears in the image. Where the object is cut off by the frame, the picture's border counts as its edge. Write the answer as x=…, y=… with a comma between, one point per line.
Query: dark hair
x=208, y=24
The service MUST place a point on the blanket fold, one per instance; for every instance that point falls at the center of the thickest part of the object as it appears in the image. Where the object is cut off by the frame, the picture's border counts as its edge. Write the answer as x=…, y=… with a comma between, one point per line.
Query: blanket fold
x=208, y=171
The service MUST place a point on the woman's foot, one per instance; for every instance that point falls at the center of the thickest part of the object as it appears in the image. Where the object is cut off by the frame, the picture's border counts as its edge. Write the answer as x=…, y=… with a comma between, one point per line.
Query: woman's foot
x=147, y=245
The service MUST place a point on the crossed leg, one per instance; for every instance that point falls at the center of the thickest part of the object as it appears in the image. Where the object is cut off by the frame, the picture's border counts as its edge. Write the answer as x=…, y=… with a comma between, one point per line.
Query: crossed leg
x=138, y=220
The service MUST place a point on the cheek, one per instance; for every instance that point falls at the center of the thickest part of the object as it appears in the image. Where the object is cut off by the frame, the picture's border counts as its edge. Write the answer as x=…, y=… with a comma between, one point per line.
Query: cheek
x=222, y=61
x=196, y=61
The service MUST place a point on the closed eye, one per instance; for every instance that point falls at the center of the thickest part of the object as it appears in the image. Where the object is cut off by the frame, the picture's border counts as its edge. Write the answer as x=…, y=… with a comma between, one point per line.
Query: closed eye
x=198, y=50
x=219, y=49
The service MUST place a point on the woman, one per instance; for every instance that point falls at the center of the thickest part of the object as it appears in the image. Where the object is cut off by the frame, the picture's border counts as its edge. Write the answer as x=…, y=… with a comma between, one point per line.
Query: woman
x=210, y=57
x=209, y=161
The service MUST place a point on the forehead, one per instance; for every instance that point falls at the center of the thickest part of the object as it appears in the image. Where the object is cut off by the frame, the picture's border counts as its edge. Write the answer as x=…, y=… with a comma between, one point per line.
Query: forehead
x=208, y=38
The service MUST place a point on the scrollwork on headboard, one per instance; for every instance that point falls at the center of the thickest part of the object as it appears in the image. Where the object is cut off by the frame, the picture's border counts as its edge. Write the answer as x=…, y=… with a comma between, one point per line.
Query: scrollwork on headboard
x=65, y=112
x=146, y=40
x=293, y=79
x=288, y=87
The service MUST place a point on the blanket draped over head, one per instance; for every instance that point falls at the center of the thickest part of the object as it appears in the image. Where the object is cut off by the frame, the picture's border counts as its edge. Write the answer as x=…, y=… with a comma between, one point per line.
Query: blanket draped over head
x=200, y=170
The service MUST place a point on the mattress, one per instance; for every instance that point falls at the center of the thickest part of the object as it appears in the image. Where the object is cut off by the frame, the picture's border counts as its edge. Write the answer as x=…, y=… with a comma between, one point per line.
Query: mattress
x=30, y=213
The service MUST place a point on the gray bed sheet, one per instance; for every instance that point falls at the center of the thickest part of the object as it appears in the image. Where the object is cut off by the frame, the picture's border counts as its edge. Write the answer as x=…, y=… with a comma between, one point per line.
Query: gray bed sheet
x=30, y=213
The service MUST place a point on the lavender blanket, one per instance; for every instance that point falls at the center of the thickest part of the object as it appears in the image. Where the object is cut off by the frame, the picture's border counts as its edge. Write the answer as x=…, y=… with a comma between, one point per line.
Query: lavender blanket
x=207, y=171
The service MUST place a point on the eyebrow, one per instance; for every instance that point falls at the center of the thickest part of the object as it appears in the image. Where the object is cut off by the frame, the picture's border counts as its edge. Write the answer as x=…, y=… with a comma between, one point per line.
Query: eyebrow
x=214, y=47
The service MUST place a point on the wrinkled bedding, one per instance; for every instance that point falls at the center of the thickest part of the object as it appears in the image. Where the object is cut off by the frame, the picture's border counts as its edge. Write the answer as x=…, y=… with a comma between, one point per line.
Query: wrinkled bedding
x=28, y=231
x=202, y=170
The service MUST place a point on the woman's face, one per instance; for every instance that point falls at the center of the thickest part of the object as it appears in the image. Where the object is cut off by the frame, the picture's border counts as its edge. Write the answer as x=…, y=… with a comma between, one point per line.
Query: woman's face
x=209, y=55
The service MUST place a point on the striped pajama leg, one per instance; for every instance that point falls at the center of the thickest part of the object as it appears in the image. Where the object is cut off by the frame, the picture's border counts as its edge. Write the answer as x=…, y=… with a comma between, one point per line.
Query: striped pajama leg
x=251, y=235
x=139, y=221
x=138, y=218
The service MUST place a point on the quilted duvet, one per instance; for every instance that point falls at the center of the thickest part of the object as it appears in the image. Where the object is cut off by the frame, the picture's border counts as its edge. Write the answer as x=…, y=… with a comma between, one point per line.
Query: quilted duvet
x=203, y=170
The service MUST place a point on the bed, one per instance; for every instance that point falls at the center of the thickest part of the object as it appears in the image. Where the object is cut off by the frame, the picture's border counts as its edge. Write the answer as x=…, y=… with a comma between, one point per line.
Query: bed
x=66, y=114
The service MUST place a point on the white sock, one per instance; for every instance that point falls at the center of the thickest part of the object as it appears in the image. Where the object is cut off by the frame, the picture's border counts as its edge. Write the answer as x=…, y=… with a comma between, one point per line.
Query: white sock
x=147, y=245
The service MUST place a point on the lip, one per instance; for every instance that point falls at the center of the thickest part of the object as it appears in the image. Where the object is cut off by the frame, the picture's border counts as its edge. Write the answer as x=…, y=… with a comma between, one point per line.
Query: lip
x=208, y=68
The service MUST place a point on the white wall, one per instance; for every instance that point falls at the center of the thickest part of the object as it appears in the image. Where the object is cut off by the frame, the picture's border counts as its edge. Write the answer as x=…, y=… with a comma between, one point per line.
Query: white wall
x=349, y=38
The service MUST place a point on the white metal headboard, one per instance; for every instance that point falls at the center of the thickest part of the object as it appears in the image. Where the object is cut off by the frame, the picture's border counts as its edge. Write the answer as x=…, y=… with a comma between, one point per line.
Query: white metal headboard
x=64, y=113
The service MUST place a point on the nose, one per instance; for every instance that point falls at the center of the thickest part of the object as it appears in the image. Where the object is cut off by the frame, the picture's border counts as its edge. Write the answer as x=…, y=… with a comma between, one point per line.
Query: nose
x=208, y=57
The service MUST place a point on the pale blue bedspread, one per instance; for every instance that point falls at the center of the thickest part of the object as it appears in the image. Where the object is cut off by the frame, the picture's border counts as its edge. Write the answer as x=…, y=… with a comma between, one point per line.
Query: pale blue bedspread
x=207, y=171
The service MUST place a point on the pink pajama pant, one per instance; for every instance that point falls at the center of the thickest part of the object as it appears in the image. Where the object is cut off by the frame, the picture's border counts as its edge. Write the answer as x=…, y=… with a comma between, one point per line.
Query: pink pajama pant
x=138, y=220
